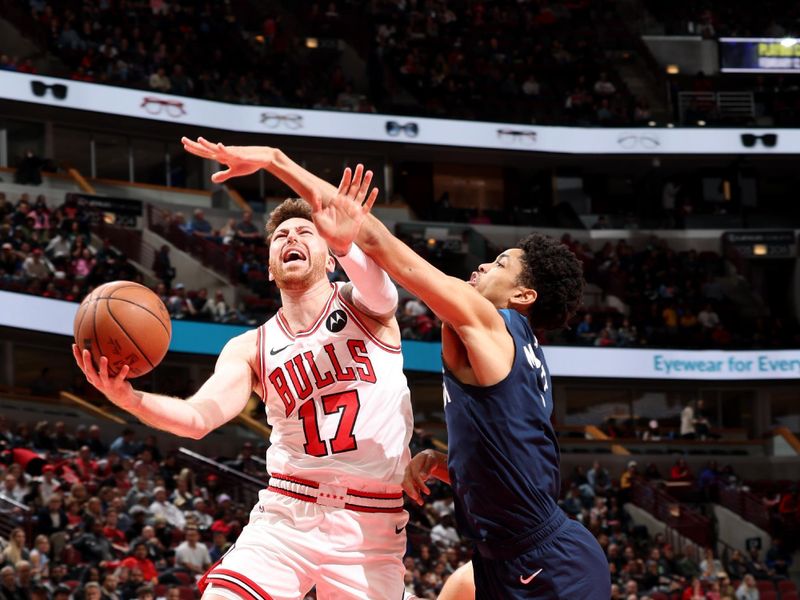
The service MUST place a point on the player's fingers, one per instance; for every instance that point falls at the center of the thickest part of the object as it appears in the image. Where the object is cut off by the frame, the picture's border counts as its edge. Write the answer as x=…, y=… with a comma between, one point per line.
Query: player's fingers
x=409, y=488
x=221, y=176
x=198, y=151
x=88, y=368
x=103, y=371
x=195, y=147
x=368, y=203
x=123, y=374
x=209, y=145
x=344, y=185
x=88, y=363
x=77, y=354
x=419, y=481
x=362, y=191
x=356, y=184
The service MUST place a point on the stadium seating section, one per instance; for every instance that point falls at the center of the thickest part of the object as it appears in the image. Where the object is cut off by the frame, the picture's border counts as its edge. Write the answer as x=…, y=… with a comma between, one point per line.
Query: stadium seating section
x=637, y=297
x=107, y=495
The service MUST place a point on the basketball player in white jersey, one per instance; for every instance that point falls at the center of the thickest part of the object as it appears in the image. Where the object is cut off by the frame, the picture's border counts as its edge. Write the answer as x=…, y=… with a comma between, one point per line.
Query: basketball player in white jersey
x=329, y=370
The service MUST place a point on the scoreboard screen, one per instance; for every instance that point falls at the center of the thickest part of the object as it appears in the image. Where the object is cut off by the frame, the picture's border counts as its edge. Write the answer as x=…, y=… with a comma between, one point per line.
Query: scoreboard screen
x=759, y=55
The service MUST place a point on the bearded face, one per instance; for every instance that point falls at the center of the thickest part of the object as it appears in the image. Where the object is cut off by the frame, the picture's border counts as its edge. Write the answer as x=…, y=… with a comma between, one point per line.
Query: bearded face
x=298, y=256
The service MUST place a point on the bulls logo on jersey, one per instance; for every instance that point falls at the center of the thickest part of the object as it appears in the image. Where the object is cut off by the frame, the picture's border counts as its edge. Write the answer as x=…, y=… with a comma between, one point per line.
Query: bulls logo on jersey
x=336, y=321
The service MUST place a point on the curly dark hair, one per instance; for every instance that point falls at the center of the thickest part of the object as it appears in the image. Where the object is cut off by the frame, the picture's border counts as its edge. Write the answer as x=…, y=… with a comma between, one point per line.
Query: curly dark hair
x=288, y=209
x=553, y=270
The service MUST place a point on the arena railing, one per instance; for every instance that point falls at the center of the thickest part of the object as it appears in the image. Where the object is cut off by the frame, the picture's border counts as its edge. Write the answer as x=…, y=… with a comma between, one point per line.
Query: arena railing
x=210, y=254
x=747, y=505
x=242, y=488
x=14, y=514
x=676, y=515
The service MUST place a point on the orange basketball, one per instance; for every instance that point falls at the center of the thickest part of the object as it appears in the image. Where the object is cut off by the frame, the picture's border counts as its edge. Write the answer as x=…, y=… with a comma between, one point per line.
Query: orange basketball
x=125, y=322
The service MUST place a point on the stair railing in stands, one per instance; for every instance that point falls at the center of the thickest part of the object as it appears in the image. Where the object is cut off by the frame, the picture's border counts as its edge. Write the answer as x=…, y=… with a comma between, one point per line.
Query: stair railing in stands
x=14, y=514
x=747, y=505
x=242, y=488
x=679, y=517
x=210, y=254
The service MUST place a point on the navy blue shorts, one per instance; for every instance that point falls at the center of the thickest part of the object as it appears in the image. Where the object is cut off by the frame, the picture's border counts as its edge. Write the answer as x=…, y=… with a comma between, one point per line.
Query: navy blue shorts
x=570, y=565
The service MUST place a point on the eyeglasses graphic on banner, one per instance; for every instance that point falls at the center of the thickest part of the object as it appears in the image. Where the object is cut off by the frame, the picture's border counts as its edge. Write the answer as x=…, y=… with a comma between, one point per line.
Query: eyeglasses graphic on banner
x=39, y=88
x=769, y=140
x=393, y=128
x=516, y=136
x=274, y=120
x=155, y=106
x=633, y=141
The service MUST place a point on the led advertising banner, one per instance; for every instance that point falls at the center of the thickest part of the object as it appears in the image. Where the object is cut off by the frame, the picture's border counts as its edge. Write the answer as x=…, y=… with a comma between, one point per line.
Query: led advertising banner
x=759, y=55
x=56, y=316
x=204, y=115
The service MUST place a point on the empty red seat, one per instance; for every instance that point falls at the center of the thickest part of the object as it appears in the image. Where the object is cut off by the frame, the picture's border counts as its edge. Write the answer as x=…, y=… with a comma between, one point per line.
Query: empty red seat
x=765, y=586
x=786, y=585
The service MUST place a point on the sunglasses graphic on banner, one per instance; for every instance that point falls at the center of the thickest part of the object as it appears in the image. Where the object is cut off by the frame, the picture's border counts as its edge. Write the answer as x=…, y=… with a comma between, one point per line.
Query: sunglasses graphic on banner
x=39, y=88
x=769, y=140
x=629, y=142
x=393, y=128
x=516, y=136
x=274, y=120
x=155, y=106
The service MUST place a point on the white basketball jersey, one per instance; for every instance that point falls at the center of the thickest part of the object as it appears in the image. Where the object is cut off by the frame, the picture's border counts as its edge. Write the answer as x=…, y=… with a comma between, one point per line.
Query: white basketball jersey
x=337, y=400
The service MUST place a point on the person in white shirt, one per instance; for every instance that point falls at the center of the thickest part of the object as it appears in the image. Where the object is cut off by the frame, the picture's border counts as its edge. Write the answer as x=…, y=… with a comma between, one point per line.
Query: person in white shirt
x=603, y=87
x=708, y=318
x=202, y=519
x=161, y=507
x=35, y=266
x=687, y=422
x=531, y=87
x=191, y=554
x=12, y=488
x=747, y=590
x=444, y=533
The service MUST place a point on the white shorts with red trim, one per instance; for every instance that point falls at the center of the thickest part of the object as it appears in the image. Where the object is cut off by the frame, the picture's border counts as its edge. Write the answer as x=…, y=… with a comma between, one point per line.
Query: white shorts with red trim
x=291, y=545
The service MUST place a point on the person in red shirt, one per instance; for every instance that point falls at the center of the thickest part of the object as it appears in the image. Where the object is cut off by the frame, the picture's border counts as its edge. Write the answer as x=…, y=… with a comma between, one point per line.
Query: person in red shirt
x=113, y=534
x=85, y=466
x=139, y=560
x=694, y=591
x=788, y=504
x=680, y=471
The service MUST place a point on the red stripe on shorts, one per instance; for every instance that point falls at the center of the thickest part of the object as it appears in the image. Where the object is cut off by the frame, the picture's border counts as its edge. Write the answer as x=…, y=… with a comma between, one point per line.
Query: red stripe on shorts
x=236, y=582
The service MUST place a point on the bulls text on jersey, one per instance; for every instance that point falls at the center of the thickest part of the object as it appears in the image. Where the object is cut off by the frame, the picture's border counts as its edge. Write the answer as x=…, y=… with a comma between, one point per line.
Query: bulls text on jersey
x=304, y=373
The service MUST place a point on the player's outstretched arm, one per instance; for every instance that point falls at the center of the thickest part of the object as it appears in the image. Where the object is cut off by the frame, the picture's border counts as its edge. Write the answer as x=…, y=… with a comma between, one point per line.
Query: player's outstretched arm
x=222, y=397
x=246, y=160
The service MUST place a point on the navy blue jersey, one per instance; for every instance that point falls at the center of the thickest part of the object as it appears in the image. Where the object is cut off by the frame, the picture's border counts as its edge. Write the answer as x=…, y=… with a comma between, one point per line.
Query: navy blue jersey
x=503, y=454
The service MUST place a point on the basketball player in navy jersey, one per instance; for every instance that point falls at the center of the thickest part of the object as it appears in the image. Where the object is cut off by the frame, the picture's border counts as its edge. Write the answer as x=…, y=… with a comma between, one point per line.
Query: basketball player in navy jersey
x=503, y=461
x=503, y=455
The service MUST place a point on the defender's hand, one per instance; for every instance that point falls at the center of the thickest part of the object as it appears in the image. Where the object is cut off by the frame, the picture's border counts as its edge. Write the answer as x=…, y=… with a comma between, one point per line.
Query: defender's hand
x=418, y=472
x=241, y=160
x=338, y=218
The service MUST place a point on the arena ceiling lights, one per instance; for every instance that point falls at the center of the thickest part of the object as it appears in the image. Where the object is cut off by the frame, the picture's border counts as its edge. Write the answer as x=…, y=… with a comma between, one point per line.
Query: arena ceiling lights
x=78, y=95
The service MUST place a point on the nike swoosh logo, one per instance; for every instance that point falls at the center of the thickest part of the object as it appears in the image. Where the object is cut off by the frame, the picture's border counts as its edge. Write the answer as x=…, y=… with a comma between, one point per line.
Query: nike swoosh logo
x=273, y=352
x=527, y=580
x=399, y=530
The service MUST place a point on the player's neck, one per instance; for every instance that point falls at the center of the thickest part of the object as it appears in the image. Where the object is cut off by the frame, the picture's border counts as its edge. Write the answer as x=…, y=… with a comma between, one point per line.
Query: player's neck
x=300, y=308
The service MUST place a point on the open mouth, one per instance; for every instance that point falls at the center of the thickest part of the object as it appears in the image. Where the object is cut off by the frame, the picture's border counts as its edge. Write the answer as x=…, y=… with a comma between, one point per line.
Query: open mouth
x=293, y=255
